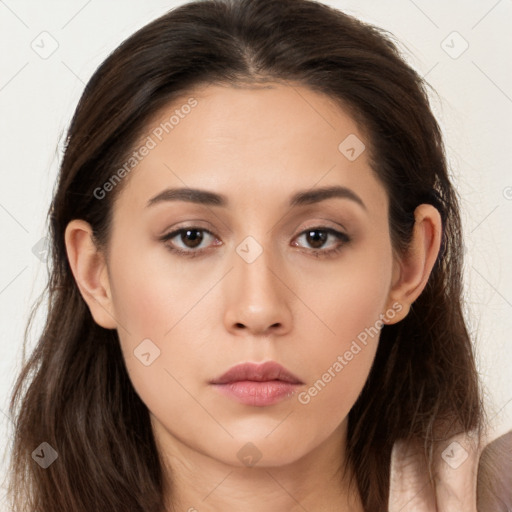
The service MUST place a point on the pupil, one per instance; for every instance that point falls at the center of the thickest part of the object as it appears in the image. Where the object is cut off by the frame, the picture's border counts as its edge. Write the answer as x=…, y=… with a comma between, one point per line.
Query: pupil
x=195, y=240
x=317, y=243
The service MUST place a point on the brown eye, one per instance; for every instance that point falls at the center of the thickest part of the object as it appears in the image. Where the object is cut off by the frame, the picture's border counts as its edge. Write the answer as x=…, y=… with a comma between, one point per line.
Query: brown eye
x=188, y=240
x=316, y=239
x=191, y=238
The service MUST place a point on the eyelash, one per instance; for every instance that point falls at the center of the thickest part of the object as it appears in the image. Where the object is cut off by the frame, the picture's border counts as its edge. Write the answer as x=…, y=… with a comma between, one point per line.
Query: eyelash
x=344, y=239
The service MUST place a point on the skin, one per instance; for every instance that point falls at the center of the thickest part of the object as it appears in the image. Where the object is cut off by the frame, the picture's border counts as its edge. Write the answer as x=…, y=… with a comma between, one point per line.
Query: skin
x=257, y=146
x=454, y=484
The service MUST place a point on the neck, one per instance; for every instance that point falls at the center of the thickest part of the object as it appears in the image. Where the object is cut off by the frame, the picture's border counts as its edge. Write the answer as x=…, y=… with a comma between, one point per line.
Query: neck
x=196, y=482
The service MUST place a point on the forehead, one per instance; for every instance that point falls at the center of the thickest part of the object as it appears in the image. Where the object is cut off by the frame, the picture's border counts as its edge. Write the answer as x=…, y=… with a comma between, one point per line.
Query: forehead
x=251, y=113
x=251, y=140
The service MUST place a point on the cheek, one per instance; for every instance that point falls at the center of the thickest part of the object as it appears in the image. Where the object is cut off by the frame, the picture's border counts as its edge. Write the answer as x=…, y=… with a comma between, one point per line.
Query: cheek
x=350, y=305
x=348, y=299
x=163, y=326
x=150, y=296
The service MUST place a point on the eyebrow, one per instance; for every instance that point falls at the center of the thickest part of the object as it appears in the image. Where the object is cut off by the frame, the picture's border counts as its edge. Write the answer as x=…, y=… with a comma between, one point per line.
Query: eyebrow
x=301, y=198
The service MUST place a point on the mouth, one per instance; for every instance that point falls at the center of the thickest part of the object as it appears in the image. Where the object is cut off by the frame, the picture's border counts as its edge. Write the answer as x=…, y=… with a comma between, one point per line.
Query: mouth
x=257, y=384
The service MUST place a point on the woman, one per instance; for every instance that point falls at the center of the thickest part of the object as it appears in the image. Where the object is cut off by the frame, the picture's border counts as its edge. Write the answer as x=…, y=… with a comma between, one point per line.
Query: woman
x=255, y=298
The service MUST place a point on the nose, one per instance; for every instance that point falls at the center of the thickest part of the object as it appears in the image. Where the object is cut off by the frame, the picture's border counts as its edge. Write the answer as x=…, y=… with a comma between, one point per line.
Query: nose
x=257, y=298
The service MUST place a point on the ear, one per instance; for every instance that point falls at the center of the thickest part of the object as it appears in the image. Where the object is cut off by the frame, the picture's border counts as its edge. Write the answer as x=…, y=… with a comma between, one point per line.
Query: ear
x=412, y=270
x=90, y=272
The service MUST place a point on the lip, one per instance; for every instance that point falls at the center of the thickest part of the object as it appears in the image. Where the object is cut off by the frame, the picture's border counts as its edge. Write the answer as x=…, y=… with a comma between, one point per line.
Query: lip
x=257, y=384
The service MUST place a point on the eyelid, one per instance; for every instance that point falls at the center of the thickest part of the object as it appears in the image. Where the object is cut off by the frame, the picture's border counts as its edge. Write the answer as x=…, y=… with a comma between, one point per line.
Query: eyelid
x=342, y=237
x=177, y=231
x=321, y=223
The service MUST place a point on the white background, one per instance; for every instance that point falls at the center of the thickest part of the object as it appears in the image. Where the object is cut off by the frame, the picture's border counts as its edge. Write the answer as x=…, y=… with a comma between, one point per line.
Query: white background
x=473, y=104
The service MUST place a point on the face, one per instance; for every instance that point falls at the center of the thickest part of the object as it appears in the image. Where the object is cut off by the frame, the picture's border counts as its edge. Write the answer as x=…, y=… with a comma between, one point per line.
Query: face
x=198, y=287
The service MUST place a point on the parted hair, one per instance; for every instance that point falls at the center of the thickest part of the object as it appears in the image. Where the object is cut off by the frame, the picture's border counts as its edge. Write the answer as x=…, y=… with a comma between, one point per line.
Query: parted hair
x=73, y=391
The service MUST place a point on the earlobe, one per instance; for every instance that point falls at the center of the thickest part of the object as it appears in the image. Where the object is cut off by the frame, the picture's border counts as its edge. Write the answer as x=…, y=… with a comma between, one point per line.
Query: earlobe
x=90, y=272
x=412, y=272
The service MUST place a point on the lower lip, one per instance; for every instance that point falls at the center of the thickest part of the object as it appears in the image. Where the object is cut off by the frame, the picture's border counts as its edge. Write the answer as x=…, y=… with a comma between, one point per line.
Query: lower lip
x=258, y=393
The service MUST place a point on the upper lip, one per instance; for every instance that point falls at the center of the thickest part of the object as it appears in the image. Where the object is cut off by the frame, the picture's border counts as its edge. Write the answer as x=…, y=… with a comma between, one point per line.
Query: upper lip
x=258, y=372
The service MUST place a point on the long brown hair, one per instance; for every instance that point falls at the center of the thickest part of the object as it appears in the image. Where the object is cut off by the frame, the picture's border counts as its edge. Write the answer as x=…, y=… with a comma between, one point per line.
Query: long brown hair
x=74, y=392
